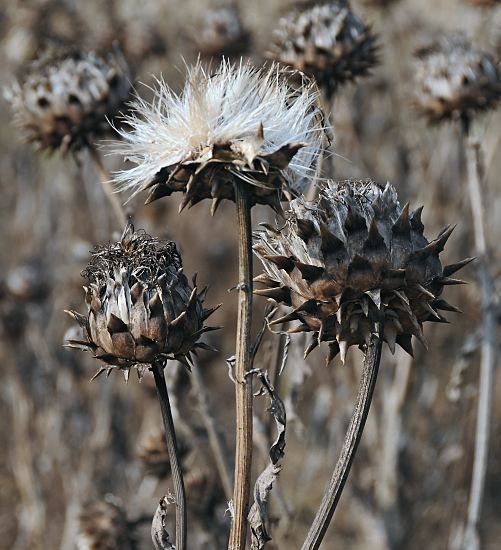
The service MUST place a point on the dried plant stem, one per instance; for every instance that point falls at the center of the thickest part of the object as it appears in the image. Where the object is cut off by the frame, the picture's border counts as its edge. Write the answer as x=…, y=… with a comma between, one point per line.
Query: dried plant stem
x=175, y=464
x=489, y=348
x=105, y=178
x=352, y=439
x=243, y=386
x=216, y=440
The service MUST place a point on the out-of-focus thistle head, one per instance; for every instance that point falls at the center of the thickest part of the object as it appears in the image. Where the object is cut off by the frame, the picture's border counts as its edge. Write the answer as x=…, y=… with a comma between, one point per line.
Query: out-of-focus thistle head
x=454, y=80
x=352, y=257
x=104, y=526
x=141, y=308
x=327, y=40
x=485, y=3
x=154, y=455
x=221, y=32
x=65, y=99
x=239, y=122
x=379, y=3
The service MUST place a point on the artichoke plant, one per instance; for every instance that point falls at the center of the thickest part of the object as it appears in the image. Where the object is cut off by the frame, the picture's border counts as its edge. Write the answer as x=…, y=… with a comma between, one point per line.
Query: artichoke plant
x=454, y=80
x=141, y=308
x=326, y=40
x=66, y=98
x=349, y=259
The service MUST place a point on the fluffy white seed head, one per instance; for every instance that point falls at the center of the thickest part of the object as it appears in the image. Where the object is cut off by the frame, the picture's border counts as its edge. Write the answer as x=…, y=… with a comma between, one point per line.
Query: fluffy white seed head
x=227, y=106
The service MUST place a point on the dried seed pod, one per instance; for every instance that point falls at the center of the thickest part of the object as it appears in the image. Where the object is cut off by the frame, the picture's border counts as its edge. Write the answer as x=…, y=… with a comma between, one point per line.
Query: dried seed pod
x=453, y=80
x=327, y=41
x=65, y=99
x=355, y=255
x=221, y=32
x=141, y=307
x=485, y=3
x=104, y=526
x=154, y=455
x=238, y=123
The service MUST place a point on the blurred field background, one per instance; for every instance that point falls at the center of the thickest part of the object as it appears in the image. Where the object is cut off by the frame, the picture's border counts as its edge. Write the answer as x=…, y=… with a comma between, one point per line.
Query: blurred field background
x=66, y=443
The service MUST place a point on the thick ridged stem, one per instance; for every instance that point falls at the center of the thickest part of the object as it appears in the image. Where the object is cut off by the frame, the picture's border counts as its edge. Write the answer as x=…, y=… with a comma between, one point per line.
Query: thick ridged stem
x=350, y=445
x=489, y=349
x=243, y=385
x=105, y=179
x=175, y=463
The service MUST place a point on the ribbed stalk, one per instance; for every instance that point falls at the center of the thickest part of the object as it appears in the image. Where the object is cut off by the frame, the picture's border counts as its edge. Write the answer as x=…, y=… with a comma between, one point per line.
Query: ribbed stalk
x=352, y=439
x=175, y=464
x=243, y=385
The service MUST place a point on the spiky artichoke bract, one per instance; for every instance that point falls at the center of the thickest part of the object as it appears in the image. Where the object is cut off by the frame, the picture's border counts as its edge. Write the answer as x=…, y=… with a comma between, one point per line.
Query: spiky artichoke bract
x=237, y=123
x=353, y=256
x=327, y=41
x=141, y=307
x=454, y=80
x=65, y=99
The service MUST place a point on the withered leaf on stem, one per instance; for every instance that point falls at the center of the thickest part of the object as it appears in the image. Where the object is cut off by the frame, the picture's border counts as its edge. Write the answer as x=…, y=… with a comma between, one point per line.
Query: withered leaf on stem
x=258, y=514
x=159, y=534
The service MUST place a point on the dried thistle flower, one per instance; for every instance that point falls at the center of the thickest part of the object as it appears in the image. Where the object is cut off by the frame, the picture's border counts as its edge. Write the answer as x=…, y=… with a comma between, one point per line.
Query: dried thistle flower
x=326, y=40
x=485, y=3
x=65, y=99
x=221, y=32
x=348, y=259
x=154, y=455
x=237, y=123
x=454, y=80
x=141, y=308
x=104, y=526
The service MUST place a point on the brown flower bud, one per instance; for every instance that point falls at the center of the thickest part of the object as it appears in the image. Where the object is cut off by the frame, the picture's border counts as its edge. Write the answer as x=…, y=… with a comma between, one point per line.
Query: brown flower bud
x=104, y=526
x=141, y=308
x=326, y=40
x=453, y=80
x=220, y=32
x=65, y=100
x=352, y=257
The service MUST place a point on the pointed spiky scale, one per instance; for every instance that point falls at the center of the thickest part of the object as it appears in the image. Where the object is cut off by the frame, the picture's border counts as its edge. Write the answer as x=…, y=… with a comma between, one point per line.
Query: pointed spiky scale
x=445, y=306
x=452, y=268
x=282, y=262
x=383, y=264
x=116, y=325
x=405, y=342
x=305, y=229
x=415, y=220
x=98, y=373
x=265, y=280
x=206, y=313
x=449, y=281
x=343, y=350
x=300, y=328
x=402, y=226
x=309, y=272
x=330, y=243
x=279, y=294
x=216, y=201
x=311, y=346
x=179, y=320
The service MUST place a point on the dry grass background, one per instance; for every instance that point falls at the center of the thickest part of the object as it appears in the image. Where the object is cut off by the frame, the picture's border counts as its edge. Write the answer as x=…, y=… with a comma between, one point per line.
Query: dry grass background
x=67, y=442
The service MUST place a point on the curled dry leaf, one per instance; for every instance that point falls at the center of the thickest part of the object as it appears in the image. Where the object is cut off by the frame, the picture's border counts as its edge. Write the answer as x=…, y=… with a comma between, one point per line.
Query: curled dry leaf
x=258, y=514
x=159, y=534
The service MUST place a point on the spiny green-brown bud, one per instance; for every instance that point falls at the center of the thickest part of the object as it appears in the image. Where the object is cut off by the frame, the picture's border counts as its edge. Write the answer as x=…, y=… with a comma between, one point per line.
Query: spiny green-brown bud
x=454, y=80
x=65, y=99
x=327, y=41
x=352, y=257
x=104, y=526
x=141, y=308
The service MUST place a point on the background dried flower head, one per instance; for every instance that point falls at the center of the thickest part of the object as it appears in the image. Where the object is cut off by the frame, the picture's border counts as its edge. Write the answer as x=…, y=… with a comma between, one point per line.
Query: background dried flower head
x=326, y=40
x=65, y=99
x=454, y=79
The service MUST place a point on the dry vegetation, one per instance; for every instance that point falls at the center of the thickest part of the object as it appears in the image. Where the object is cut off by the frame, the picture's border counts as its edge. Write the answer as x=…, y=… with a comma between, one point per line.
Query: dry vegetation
x=83, y=465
